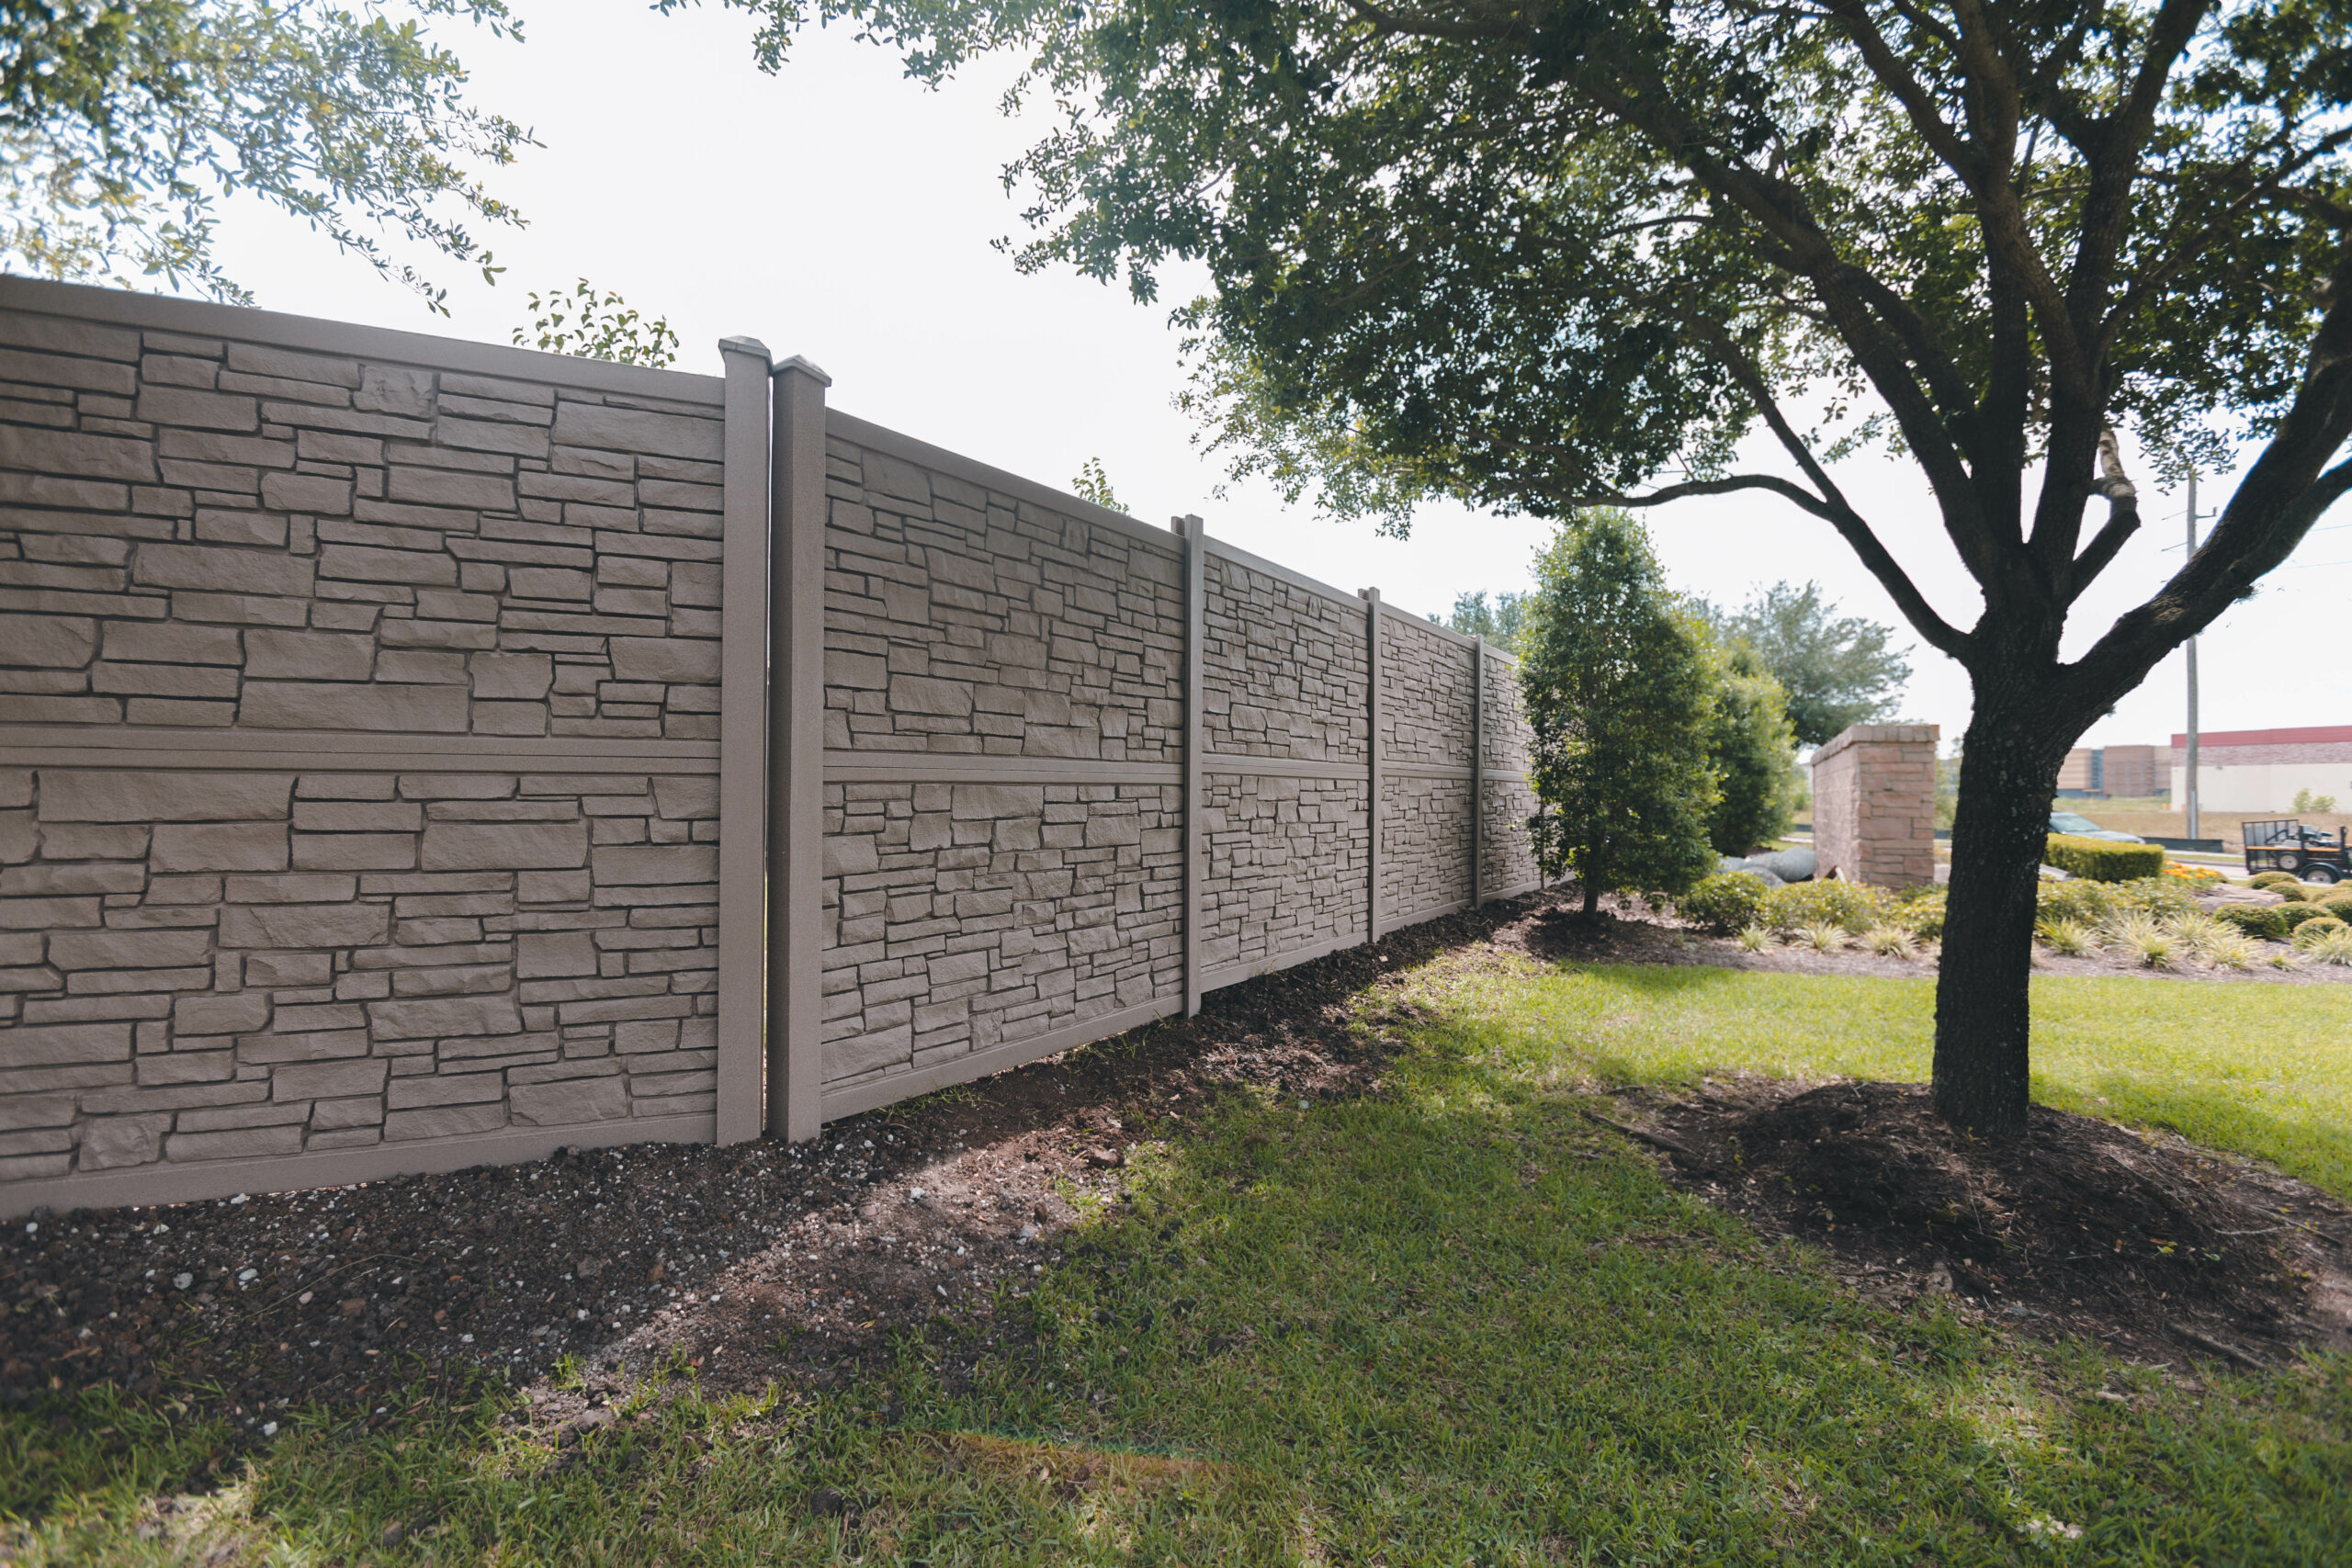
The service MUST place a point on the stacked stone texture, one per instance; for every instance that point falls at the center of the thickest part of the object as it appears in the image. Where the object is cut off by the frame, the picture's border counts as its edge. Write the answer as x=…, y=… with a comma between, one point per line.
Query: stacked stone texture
x=958, y=622
x=968, y=915
x=1507, y=855
x=1282, y=669
x=207, y=544
x=1425, y=823
x=1284, y=677
x=1875, y=805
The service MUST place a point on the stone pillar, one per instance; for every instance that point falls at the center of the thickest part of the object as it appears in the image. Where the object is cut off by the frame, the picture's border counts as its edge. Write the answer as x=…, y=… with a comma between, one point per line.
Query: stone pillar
x=795, y=1067
x=1875, y=805
x=743, y=744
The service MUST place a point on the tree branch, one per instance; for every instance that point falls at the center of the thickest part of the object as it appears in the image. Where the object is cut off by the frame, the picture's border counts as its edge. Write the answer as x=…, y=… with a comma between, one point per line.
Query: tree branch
x=2122, y=520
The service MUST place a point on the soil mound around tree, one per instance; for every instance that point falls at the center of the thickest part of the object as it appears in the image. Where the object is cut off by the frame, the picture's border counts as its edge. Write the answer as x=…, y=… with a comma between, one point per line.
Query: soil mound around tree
x=2150, y=1245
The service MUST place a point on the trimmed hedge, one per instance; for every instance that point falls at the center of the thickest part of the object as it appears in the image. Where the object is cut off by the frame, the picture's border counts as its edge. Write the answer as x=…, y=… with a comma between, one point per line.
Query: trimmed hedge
x=2309, y=933
x=1726, y=902
x=2298, y=915
x=2338, y=903
x=2269, y=878
x=2104, y=860
x=2259, y=920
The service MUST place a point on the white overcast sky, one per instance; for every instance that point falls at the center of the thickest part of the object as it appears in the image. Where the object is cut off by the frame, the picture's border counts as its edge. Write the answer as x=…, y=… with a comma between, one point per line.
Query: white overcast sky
x=840, y=211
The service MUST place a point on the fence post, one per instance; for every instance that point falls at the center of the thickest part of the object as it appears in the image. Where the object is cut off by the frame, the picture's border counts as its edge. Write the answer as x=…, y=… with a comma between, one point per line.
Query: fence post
x=795, y=864
x=1371, y=765
x=742, y=742
x=1196, y=535
x=1477, y=769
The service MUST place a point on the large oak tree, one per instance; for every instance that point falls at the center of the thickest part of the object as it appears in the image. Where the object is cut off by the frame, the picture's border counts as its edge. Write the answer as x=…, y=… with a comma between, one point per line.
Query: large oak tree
x=1542, y=253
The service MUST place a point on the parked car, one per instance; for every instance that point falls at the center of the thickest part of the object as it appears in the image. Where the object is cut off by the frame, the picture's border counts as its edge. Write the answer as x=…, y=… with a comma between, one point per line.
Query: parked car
x=2083, y=827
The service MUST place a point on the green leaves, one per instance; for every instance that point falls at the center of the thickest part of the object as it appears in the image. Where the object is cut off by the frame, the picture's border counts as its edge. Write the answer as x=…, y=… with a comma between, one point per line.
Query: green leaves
x=122, y=125
x=595, y=325
x=1618, y=690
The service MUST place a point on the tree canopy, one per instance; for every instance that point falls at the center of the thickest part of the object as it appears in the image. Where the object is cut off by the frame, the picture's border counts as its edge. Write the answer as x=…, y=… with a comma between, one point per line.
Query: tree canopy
x=1753, y=752
x=123, y=124
x=1500, y=622
x=1834, y=670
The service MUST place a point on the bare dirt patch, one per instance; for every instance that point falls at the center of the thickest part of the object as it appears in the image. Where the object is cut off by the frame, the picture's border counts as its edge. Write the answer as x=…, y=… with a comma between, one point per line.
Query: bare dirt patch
x=2148, y=1244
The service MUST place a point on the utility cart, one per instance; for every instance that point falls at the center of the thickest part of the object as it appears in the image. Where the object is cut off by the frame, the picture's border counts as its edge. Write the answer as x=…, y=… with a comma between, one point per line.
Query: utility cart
x=2309, y=855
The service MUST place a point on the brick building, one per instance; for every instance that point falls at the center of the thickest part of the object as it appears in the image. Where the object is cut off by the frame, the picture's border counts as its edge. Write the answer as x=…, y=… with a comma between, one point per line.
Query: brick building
x=2113, y=771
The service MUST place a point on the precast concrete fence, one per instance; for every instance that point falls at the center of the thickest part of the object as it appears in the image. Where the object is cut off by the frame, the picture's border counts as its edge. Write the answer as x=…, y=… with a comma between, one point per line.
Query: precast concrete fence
x=417, y=753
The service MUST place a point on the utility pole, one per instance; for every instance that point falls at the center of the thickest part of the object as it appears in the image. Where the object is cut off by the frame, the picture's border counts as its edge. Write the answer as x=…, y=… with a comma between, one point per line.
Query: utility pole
x=2190, y=798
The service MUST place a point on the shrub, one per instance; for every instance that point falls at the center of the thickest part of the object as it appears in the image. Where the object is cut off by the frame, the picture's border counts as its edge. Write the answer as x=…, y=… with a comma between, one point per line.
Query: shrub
x=2334, y=948
x=2201, y=933
x=2143, y=937
x=2338, y=903
x=1822, y=936
x=2268, y=878
x=2295, y=916
x=2103, y=860
x=1754, y=938
x=2290, y=889
x=2233, y=953
x=1727, y=901
x=1849, y=906
x=2262, y=921
x=2311, y=933
x=2159, y=895
x=2068, y=938
x=1921, y=912
x=2085, y=903
x=1891, y=942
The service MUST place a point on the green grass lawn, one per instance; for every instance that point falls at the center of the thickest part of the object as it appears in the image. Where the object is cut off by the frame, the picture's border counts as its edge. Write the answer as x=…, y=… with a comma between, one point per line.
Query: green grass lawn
x=2263, y=1070
x=1448, y=1324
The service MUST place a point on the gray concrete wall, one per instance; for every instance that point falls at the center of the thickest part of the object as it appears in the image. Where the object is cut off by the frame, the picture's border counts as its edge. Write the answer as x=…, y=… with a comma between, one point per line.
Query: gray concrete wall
x=359, y=704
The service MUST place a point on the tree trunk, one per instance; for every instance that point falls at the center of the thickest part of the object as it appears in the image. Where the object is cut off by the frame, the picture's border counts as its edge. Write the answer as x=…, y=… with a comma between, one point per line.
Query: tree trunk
x=2008, y=773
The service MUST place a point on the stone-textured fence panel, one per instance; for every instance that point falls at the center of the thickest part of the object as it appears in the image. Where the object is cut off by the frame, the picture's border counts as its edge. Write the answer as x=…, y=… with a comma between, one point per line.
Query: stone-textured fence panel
x=406, y=764
x=359, y=694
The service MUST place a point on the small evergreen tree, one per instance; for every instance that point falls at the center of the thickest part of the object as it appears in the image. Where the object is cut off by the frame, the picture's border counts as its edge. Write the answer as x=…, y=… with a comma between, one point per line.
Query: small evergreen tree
x=1754, y=751
x=1619, y=693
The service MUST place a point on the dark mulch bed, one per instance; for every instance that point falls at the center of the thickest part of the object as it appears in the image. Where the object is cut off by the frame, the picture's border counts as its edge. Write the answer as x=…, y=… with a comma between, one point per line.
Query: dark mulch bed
x=2151, y=1244
x=747, y=1263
